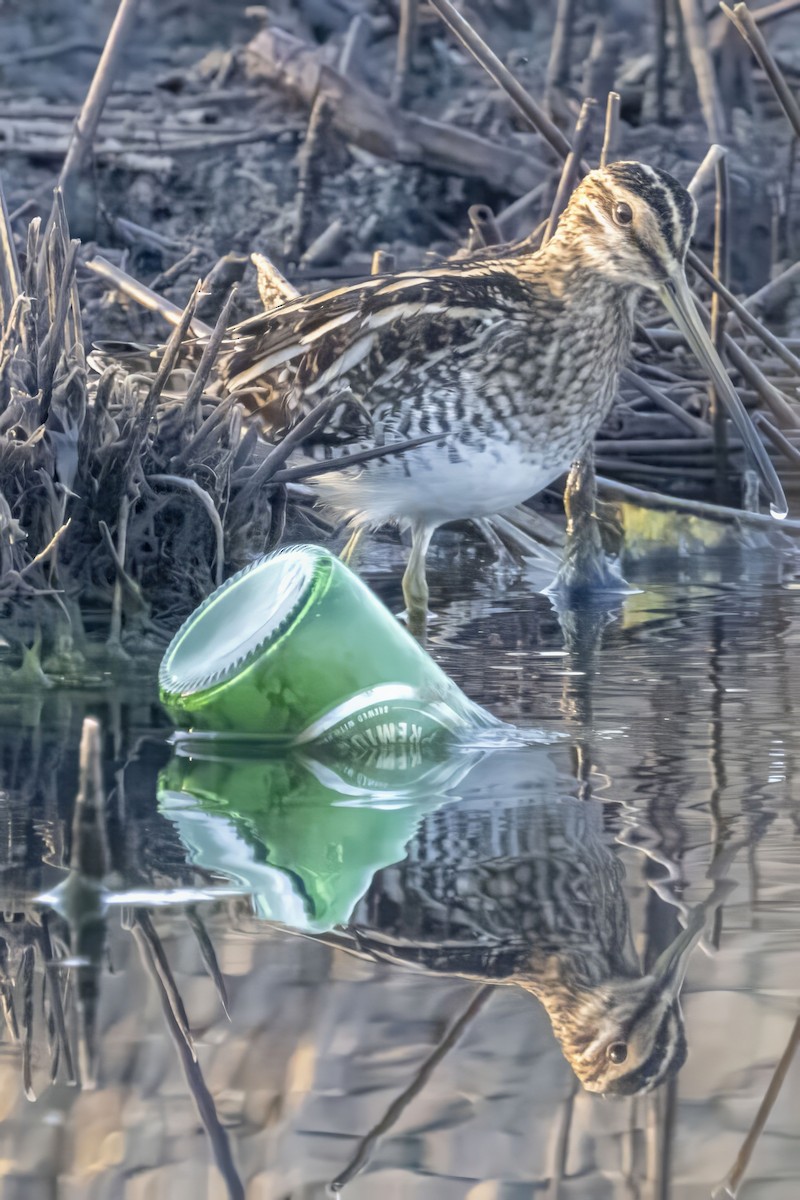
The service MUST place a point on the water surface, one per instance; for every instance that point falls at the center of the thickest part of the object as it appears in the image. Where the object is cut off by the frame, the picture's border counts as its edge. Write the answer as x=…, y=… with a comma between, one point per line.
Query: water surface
x=240, y=970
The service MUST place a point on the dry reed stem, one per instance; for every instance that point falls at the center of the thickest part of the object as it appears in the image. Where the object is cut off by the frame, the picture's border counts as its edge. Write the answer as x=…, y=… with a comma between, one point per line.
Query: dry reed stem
x=570, y=171
x=143, y=295
x=10, y=278
x=89, y=117
x=704, y=175
x=383, y=262
x=720, y=270
x=748, y=320
x=355, y=44
x=484, y=225
x=278, y=455
x=771, y=12
x=778, y=439
x=611, y=129
x=613, y=489
x=191, y=404
x=406, y=44
x=388, y=449
x=558, y=63
x=484, y=55
x=694, y=25
x=742, y=18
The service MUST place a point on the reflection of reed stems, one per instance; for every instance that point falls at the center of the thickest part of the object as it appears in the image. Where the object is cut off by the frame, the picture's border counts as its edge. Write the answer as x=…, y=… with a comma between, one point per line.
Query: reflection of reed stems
x=145, y=932
x=561, y=1149
x=662, y=1105
x=52, y=981
x=367, y=1144
x=209, y=955
x=146, y=941
x=7, y=993
x=730, y=1185
x=25, y=985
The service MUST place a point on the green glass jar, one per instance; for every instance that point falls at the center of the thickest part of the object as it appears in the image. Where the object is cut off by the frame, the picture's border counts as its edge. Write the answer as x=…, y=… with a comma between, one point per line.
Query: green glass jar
x=301, y=836
x=295, y=649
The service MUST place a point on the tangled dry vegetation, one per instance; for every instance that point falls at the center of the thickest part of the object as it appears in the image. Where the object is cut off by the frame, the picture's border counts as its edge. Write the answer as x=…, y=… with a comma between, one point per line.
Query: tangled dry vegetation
x=115, y=495
x=125, y=495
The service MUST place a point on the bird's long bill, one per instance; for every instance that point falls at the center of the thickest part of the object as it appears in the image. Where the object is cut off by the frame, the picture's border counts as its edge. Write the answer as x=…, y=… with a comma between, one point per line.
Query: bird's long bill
x=679, y=303
x=670, y=967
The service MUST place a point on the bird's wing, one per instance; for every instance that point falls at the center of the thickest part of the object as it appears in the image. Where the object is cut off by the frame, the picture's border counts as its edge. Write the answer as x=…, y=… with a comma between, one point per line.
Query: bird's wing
x=351, y=336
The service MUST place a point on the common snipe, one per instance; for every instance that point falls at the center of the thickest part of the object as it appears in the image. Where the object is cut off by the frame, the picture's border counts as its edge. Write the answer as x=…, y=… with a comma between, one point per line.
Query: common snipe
x=532, y=895
x=513, y=358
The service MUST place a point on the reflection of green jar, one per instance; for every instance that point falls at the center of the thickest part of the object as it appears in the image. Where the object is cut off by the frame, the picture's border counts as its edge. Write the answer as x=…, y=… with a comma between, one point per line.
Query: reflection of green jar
x=302, y=837
x=295, y=648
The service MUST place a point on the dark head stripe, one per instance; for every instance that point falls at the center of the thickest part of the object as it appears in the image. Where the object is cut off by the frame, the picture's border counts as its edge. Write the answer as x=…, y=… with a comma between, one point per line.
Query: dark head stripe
x=664, y=195
x=667, y=1057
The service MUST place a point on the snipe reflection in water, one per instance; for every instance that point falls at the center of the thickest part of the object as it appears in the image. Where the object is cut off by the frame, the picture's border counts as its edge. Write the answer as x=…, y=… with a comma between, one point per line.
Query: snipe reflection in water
x=516, y=882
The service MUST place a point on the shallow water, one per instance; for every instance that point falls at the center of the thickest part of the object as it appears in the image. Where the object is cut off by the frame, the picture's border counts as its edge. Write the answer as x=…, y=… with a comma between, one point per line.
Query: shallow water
x=347, y=917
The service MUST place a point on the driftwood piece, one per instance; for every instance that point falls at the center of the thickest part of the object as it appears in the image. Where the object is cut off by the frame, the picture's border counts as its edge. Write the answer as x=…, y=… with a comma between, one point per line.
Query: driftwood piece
x=373, y=124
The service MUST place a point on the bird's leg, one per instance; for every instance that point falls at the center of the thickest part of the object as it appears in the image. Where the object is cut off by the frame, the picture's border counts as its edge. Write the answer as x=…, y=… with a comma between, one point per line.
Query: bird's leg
x=415, y=584
x=351, y=547
x=584, y=570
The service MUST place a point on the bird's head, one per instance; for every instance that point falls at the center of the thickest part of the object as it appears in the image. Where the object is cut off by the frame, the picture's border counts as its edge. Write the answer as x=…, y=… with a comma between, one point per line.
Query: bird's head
x=625, y=1036
x=631, y=224
x=625, y=1039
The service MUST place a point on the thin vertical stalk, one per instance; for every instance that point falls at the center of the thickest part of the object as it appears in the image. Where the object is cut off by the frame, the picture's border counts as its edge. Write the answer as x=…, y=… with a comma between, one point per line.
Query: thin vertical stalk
x=733, y=1180
x=10, y=278
x=742, y=18
x=107, y=70
x=611, y=131
x=500, y=73
x=571, y=169
x=694, y=23
x=204, y=1101
x=395, y=1110
x=382, y=262
x=406, y=44
x=558, y=63
x=720, y=268
x=702, y=176
x=661, y=53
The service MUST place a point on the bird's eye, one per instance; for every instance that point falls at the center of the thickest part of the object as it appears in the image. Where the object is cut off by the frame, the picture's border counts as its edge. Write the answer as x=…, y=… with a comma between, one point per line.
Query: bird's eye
x=623, y=213
x=617, y=1052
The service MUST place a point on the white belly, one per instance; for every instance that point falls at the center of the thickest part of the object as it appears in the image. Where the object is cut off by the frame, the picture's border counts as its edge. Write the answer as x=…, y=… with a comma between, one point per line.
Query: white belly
x=436, y=490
